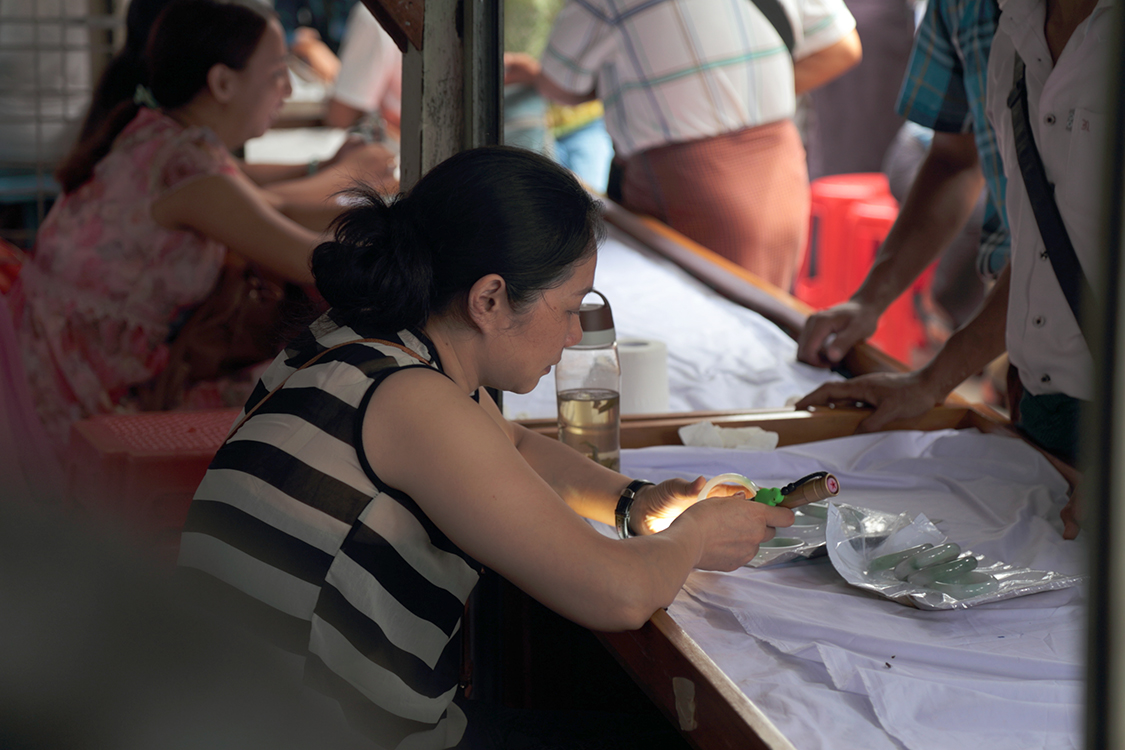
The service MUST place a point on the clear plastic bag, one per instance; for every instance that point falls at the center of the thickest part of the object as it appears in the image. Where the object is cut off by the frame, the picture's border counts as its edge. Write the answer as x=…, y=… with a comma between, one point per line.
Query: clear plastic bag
x=804, y=539
x=857, y=537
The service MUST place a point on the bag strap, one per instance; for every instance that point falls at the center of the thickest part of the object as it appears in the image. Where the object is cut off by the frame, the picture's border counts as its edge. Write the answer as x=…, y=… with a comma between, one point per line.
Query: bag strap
x=775, y=14
x=314, y=360
x=1064, y=260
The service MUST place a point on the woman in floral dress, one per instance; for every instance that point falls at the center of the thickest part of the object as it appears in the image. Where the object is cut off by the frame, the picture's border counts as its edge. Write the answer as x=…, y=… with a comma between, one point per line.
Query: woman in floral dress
x=151, y=204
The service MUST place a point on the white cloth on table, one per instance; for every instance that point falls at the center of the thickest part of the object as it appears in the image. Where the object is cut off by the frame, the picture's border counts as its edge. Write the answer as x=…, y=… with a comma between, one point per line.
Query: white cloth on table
x=720, y=354
x=826, y=661
x=295, y=145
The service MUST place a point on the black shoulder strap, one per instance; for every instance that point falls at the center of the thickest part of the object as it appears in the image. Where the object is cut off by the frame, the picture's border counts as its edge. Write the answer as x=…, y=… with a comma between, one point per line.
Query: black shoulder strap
x=775, y=14
x=1064, y=261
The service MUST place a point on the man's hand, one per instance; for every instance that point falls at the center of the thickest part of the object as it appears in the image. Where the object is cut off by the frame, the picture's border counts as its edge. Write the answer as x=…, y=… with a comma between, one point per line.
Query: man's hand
x=829, y=334
x=520, y=67
x=894, y=395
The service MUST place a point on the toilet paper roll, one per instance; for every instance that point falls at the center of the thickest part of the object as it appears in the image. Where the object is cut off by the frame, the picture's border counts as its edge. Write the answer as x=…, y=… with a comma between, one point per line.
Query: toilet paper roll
x=644, y=376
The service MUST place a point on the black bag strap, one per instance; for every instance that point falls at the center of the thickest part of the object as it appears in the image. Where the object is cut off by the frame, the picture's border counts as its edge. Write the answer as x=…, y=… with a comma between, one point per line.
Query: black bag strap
x=775, y=14
x=1064, y=261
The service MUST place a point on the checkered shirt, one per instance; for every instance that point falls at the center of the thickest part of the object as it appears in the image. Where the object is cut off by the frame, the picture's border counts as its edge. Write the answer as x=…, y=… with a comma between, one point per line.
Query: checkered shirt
x=673, y=71
x=944, y=89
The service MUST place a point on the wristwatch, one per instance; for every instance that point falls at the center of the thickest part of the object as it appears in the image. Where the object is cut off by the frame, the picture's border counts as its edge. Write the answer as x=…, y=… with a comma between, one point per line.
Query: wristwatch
x=624, y=505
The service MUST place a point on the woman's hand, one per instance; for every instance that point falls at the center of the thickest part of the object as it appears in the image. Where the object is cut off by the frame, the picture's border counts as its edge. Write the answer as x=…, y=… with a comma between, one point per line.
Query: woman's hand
x=732, y=528
x=358, y=160
x=732, y=525
x=657, y=506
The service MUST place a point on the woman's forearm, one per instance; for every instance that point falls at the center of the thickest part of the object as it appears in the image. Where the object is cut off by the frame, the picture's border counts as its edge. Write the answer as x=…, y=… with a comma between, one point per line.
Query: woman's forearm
x=589, y=488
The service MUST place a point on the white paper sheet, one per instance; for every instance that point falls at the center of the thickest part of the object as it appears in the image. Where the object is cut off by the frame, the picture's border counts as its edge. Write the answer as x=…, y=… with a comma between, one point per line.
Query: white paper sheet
x=720, y=355
x=834, y=666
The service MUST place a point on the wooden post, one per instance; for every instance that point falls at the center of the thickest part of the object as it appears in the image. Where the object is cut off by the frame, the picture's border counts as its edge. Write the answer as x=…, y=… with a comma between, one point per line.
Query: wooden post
x=451, y=76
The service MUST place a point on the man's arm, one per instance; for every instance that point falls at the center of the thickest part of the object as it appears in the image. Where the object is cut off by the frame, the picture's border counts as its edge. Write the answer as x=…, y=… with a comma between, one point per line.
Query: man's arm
x=939, y=203
x=906, y=395
x=520, y=67
x=821, y=67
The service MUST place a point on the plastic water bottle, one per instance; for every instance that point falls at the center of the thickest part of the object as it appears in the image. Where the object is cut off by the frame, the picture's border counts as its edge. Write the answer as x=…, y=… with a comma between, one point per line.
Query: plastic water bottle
x=588, y=385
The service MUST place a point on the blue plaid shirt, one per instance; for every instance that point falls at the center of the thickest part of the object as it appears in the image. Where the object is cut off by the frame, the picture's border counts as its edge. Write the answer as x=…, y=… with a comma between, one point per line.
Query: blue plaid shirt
x=944, y=89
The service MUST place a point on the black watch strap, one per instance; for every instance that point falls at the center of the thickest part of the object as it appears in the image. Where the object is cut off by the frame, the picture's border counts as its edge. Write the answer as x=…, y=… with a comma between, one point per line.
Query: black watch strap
x=625, y=505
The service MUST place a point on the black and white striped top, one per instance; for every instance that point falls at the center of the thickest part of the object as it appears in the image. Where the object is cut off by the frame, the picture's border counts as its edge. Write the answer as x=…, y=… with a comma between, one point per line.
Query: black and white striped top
x=292, y=530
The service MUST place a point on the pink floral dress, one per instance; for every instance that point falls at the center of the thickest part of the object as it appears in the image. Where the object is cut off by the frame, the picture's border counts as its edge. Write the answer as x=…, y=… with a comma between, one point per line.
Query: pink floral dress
x=96, y=303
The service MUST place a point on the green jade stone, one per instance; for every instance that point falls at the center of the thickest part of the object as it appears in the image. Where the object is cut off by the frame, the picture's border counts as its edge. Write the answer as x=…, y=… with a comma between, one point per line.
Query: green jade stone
x=954, y=571
x=887, y=562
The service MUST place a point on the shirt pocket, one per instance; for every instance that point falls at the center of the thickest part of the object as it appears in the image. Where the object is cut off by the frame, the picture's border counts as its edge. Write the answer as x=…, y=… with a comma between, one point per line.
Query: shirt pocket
x=1081, y=196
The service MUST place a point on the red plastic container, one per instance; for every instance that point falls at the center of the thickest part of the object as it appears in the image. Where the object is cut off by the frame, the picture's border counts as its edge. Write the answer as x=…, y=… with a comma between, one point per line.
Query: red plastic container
x=830, y=273
x=141, y=470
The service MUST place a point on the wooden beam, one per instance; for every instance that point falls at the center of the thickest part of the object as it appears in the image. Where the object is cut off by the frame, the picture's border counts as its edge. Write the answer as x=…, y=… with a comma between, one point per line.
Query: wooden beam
x=432, y=94
x=402, y=19
x=794, y=426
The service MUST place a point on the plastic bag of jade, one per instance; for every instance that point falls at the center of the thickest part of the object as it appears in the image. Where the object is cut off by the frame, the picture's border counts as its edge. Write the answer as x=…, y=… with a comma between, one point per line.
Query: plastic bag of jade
x=909, y=561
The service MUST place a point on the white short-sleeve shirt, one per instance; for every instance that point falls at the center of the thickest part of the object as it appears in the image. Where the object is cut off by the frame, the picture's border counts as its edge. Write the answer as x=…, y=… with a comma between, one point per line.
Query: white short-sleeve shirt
x=672, y=71
x=370, y=66
x=1068, y=116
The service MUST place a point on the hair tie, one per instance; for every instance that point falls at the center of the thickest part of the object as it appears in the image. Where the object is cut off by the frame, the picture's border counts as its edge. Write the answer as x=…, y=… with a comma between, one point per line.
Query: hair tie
x=143, y=96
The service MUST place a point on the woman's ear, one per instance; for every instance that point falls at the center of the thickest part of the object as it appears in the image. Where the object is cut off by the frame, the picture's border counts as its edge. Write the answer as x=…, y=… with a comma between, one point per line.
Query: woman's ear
x=220, y=82
x=488, y=306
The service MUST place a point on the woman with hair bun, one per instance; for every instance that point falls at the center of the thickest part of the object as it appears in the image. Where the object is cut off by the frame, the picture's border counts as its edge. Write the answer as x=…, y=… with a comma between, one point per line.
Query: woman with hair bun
x=353, y=506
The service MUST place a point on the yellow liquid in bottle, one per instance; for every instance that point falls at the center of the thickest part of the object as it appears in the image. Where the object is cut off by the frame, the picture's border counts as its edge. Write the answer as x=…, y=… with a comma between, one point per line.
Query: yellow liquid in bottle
x=590, y=423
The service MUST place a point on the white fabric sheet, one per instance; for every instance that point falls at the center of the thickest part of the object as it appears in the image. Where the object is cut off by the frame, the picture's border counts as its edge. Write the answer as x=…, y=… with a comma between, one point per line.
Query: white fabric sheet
x=294, y=145
x=720, y=355
x=834, y=666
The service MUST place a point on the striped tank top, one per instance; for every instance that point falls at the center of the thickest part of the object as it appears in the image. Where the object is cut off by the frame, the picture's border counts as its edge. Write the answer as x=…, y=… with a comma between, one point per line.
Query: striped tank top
x=293, y=532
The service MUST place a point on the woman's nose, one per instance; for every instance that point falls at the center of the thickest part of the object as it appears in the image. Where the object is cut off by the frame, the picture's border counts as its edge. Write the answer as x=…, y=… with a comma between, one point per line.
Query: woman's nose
x=574, y=335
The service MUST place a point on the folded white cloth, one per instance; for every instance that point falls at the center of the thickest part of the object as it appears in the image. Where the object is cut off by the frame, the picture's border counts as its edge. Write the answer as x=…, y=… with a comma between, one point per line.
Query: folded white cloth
x=709, y=435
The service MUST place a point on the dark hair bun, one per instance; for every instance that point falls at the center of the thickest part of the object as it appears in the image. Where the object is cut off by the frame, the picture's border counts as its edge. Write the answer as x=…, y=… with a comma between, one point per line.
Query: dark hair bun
x=374, y=267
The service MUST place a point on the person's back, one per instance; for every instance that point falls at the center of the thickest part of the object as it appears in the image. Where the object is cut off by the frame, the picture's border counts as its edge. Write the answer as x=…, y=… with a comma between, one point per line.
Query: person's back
x=106, y=281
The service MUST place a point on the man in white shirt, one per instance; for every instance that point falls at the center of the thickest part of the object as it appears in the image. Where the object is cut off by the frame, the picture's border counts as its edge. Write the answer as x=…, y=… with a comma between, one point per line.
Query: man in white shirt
x=1063, y=45
x=699, y=98
x=370, y=78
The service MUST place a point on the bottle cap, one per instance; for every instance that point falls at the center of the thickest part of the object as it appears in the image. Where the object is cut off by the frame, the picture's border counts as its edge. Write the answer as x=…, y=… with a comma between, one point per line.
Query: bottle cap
x=597, y=322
